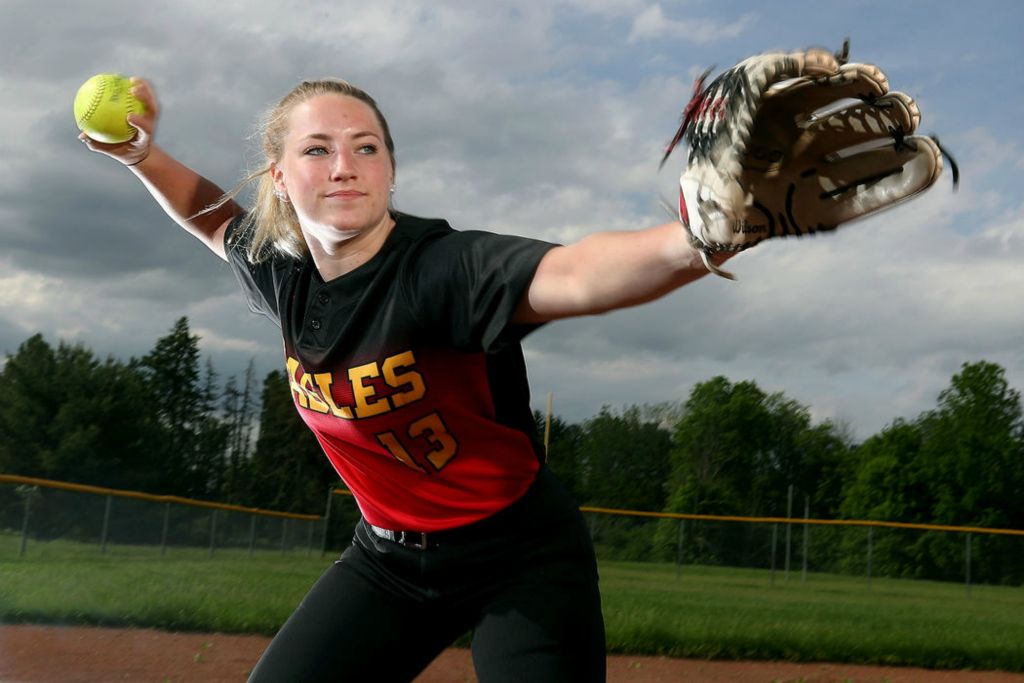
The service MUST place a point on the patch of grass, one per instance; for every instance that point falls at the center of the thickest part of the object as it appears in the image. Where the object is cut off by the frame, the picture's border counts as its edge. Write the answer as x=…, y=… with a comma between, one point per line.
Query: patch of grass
x=186, y=589
x=708, y=612
x=736, y=614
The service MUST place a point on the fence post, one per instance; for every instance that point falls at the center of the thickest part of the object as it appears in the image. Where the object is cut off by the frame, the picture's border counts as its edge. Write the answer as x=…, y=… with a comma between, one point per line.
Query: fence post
x=24, y=524
x=789, y=527
x=309, y=541
x=775, y=538
x=213, y=531
x=807, y=530
x=327, y=520
x=106, y=525
x=871, y=537
x=252, y=534
x=163, y=534
x=679, y=547
x=967, y=563
x=284, y=532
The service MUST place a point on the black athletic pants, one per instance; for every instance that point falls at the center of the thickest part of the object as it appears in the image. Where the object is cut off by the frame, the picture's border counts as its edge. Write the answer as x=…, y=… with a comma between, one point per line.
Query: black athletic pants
x=524, y=581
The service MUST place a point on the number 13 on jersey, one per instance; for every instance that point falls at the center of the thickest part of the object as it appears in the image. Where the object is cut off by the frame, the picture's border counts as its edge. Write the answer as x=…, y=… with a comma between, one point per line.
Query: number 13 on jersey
x=428, y=438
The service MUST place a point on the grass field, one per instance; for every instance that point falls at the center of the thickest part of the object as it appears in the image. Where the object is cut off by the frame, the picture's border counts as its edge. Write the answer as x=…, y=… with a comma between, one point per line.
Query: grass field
x=707, y=612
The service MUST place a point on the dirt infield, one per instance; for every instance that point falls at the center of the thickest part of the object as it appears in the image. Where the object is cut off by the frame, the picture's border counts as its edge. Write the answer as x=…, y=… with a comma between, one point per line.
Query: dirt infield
x=41, y=654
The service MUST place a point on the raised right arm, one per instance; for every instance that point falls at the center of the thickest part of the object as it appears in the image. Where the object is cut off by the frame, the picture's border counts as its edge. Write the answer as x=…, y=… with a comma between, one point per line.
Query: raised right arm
x=180, y=191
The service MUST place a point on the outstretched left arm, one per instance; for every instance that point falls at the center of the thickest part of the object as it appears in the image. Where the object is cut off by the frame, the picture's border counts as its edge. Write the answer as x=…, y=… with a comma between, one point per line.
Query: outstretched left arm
x=610, y=270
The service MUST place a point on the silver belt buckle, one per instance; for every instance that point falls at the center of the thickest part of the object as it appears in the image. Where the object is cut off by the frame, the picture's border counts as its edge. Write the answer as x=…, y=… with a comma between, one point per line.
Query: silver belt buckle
x=411, y=539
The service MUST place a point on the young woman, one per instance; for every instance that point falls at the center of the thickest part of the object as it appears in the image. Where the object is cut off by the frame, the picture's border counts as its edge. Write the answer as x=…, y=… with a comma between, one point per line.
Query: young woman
x=402, y=344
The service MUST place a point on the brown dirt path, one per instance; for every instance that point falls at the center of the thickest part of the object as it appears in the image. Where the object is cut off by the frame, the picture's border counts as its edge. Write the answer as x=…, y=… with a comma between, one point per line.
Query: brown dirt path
x=43, y=654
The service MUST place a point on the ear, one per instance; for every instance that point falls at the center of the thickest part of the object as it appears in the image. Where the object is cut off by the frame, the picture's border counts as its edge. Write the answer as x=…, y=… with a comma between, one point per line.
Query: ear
x=278, y=177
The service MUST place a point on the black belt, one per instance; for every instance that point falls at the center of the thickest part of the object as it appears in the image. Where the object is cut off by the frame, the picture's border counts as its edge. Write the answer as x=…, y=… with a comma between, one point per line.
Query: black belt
x=424, y=540
x=509, y=520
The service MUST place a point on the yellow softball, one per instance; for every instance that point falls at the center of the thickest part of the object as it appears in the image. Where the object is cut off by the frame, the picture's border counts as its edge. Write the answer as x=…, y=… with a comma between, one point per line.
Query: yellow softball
x=102, y=106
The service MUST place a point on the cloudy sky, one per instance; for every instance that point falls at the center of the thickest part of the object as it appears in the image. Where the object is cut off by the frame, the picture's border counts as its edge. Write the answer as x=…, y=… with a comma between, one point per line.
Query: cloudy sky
x=544, y=119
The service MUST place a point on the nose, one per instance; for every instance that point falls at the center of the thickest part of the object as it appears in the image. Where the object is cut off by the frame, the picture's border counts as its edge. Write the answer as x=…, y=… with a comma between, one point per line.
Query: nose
x=344, y=167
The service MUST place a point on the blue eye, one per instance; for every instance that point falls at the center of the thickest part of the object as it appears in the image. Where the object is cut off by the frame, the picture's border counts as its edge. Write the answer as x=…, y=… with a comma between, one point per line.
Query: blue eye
x=368, y=149
x=318, y=150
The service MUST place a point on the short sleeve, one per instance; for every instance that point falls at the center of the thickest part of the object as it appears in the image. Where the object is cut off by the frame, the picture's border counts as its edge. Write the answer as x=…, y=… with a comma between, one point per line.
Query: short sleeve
x=467, y=286
x=261, y=282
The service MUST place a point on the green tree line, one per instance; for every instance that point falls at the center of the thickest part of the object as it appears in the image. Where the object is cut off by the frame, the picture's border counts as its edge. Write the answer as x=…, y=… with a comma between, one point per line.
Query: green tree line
x=167, y=423
x=164, y=423
x=733, y=449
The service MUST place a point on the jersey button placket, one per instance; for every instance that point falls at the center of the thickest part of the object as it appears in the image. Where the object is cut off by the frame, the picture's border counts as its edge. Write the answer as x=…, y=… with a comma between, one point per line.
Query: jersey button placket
x=316, y=314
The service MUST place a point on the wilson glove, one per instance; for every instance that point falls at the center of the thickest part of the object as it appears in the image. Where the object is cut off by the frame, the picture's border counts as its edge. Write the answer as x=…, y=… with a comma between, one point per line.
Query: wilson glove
x=793, y=144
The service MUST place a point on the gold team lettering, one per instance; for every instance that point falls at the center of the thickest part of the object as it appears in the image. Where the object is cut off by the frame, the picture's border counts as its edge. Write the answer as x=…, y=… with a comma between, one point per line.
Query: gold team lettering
x=425, y=444
x=313, y=391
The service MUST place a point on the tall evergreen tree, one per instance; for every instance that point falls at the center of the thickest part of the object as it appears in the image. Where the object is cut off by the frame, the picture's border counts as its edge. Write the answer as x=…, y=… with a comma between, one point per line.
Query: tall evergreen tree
x=238, y=406
x=289, y=469
x=211, y=434
x=173, y=378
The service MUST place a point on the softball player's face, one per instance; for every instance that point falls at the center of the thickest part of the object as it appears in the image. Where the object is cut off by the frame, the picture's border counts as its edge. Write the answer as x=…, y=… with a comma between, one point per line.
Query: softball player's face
x=335, y=169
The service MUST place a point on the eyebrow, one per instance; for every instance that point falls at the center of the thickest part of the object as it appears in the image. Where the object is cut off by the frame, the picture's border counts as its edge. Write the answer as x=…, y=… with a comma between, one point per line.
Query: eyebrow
x=325, y=136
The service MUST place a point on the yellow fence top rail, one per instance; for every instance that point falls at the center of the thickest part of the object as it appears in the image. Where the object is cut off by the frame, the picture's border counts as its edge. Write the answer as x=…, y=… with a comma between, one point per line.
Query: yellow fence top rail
x=86, y=488
x=800, y=520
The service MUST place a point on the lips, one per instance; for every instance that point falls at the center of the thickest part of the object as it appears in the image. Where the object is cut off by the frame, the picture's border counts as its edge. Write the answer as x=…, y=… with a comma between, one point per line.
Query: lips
x=346, y=194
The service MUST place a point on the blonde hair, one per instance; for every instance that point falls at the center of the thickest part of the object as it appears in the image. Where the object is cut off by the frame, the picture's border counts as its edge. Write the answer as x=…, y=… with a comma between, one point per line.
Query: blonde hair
x=272, y=220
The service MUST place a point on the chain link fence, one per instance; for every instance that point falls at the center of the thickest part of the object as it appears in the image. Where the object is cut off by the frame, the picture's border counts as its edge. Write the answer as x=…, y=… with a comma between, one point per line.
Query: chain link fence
x=44, y=518
x=792, y=548
x=40, y=517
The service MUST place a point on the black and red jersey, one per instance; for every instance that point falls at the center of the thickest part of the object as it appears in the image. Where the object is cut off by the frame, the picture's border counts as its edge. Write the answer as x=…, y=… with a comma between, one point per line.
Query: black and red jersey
x=408, y=369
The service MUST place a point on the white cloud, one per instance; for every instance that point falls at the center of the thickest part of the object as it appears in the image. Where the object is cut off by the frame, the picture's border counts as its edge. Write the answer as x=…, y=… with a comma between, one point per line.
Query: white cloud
x=212, y=341
x=25, y=296
x=652, y=24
